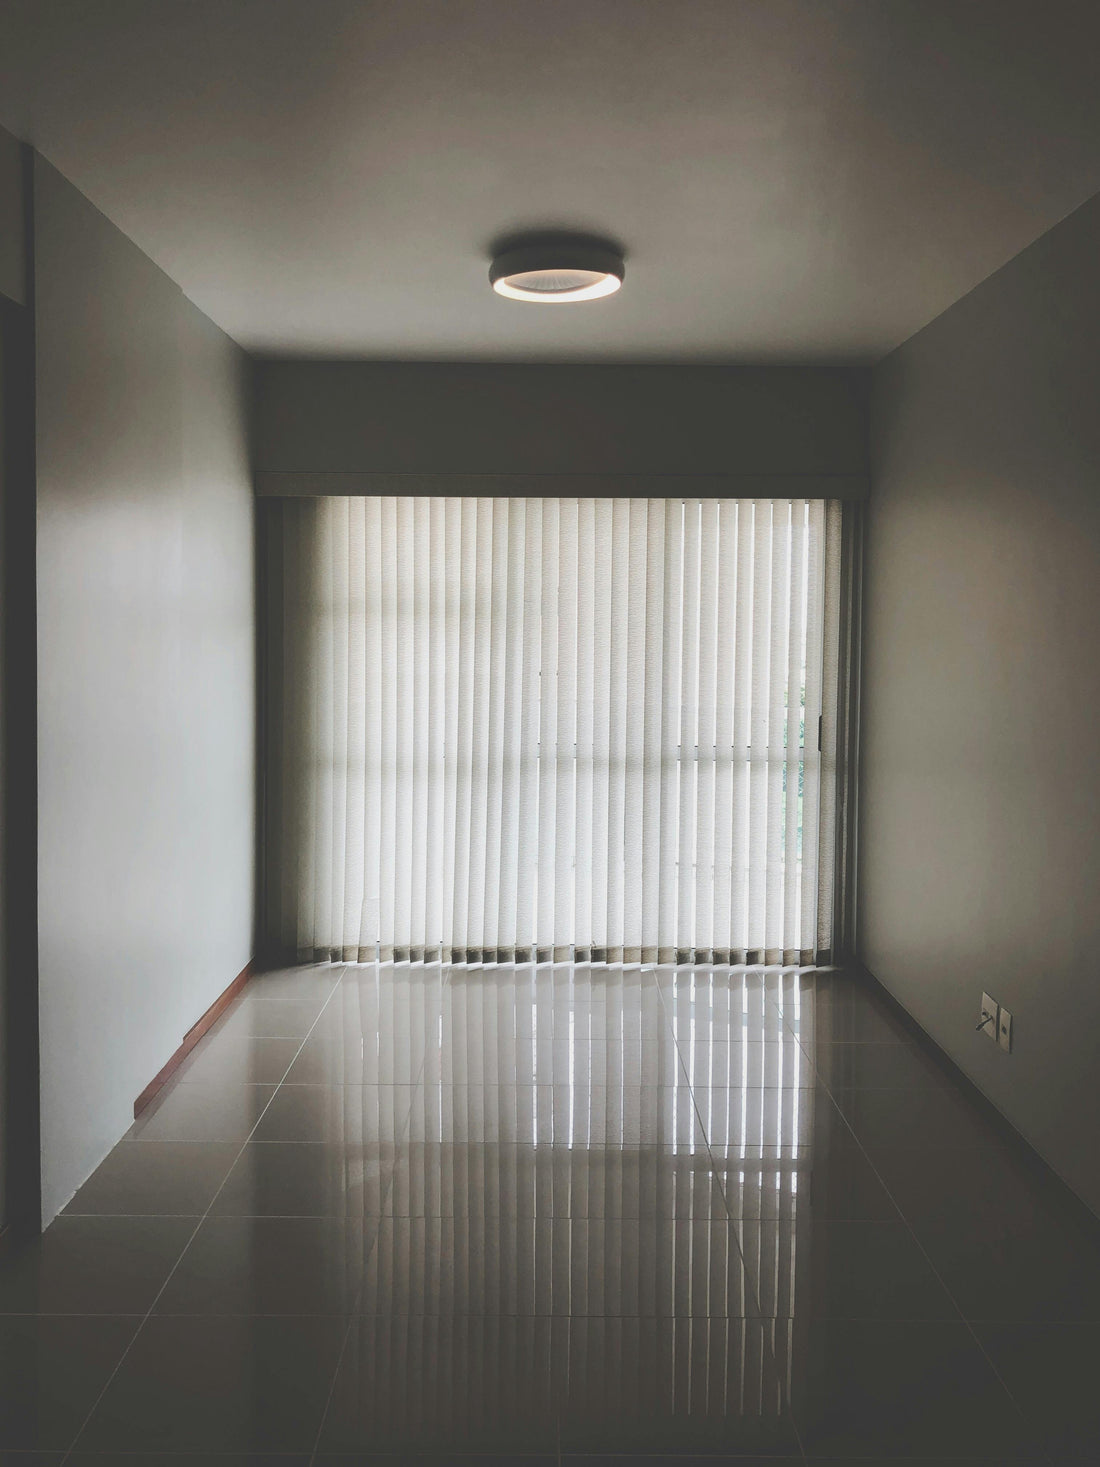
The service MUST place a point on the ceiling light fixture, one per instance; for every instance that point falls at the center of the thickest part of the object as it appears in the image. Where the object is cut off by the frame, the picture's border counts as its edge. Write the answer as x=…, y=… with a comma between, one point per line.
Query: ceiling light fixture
x=557, y=274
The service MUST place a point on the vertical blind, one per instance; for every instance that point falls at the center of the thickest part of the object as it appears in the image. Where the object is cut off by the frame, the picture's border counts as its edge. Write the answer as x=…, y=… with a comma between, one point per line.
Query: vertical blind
x=516, y=729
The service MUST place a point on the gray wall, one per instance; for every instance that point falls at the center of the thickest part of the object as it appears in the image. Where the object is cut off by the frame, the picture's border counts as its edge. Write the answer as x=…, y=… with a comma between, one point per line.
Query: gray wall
x=146, y=674
x=369, y=427
x=13, y=261
x=980, y=790
x=15, y=490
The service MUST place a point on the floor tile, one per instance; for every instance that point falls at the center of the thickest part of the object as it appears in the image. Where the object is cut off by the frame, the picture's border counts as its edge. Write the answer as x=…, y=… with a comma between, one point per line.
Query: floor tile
x=543, y=1059
x=232, y=1058
x=914, y=1117
x=143, y=1177
x=301, y=982
x=339, y=1053
x=286, y=1018
x=219, y=1384
x=479, y=1180
x=1000, y=1271
x=592, y=1115
x=53, y=1369
x=674, y=1386
x=1050, y=1369
x=666, y=1459
x=224, y=1112
x=269, y=1265
x=307, y=1179
x=992, y=1187
x=657, y=1268
x=338, y=1115
x=398, y=1006
x=825, y=1182
x=876, y=1066
x=93, y=1265
x=191, y=1459
x=774, y=1064
x=756, y=1187
x=439, y=1459
x=429, y=1384
x=842, y=1269
x=763, y=1122
x=901, y=1389
x=837, y=1011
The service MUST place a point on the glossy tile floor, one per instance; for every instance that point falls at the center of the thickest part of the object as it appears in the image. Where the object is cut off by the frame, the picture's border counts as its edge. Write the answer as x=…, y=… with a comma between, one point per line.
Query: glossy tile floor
x=553, y=1213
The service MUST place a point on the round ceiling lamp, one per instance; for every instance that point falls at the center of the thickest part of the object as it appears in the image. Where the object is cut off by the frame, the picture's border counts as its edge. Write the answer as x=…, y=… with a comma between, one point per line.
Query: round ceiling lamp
x=557, y=274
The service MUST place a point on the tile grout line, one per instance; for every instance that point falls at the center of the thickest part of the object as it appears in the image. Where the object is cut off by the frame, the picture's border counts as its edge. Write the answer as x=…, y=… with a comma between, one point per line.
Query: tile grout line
x=1025, y=1419
x=732, y=1222
x=191, y=1238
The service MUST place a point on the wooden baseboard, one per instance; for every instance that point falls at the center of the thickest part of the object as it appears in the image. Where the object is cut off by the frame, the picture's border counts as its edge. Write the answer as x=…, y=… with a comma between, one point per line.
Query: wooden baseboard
x=192, y=1037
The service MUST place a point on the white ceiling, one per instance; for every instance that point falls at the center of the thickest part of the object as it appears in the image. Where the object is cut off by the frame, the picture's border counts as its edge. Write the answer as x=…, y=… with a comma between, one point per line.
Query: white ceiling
x=791, y=179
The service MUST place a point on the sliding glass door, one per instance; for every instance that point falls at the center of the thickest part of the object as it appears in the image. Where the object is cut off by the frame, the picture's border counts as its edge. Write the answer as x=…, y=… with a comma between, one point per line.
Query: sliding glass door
x=516, y=729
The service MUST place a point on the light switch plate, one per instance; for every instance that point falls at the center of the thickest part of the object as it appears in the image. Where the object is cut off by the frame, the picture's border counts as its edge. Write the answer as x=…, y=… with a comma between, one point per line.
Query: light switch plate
x=987, y=1018
x=1004, y=1030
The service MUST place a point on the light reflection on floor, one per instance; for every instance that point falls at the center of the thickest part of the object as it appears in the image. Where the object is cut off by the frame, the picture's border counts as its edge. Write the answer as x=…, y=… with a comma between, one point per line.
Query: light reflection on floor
x=554, y=1210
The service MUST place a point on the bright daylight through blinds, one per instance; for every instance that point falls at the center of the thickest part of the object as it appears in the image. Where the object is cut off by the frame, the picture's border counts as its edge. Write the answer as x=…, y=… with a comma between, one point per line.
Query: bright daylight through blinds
x=515, y=729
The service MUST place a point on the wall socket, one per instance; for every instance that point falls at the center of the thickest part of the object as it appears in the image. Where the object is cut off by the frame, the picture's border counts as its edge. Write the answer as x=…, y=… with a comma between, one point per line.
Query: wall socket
x=995, y=1023
x=987, y=1018
x=1004, y=1029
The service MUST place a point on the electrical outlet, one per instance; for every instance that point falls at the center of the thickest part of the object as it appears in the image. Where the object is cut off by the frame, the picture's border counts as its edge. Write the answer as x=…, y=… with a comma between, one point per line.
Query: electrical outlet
x=987, y=1018
x=1004, y=1030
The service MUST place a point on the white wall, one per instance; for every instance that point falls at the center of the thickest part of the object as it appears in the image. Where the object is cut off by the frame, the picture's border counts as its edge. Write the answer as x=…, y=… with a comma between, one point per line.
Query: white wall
x=980, y=791
x=145, y=676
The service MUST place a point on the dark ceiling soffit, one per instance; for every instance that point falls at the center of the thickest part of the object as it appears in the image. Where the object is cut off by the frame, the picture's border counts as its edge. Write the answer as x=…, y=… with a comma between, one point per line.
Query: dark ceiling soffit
x=281, y=484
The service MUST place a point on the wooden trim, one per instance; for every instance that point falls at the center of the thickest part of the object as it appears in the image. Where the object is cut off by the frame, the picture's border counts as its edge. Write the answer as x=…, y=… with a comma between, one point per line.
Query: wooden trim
x=192, y=1037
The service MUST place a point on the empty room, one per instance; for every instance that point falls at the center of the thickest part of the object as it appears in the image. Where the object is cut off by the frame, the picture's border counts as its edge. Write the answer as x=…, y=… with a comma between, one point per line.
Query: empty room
x=549, y=876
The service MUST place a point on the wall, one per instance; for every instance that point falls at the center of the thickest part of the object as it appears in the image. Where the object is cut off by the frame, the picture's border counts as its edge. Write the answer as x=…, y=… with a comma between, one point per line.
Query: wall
x=11, y=289
x=402, y=428
x=18, y=989
x=980, y=789
x=13, y=232
x=5, y=705
x=145, y=674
